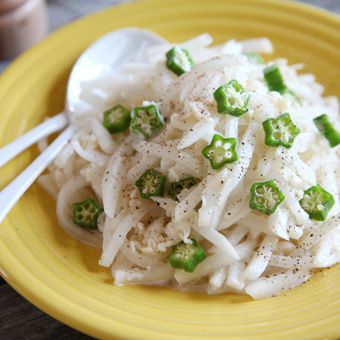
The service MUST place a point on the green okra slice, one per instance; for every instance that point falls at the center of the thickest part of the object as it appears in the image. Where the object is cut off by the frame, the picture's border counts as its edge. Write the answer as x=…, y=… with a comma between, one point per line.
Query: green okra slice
x=232, y=99
x=186, y=256
x=177, y=187
x=280, y=131
x=290, y=94
x=86, y=213
x=317, y=202
x=146, y=120
x=220, y=151
x=151, y=183
x=327, y=129
x=254, y=58
x=117, y=119
x=274, y=80
x=179, y=60
x=265, y=197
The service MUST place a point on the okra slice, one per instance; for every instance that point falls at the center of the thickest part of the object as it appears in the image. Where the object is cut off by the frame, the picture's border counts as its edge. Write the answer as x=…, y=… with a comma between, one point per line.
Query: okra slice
x=265, y=197
x=86, y=213
x=117, y=119
x=220, y=151
x=254, y=58
x=186, y=256
x=179, y=60
x=151, y=183
x=274, y=80
x=280, y=131
x=317, y=202
x=146, y=120
x=327, y=129
x=292, y=96
x=232, y=98
x=177, y=187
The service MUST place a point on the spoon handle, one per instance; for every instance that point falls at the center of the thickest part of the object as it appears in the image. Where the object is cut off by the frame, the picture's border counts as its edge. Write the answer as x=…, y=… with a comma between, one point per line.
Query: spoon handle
x=14, y=190
x=44, y=129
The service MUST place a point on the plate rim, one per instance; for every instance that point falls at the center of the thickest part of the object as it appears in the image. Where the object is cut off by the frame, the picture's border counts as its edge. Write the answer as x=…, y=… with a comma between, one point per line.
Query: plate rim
x=19, y=62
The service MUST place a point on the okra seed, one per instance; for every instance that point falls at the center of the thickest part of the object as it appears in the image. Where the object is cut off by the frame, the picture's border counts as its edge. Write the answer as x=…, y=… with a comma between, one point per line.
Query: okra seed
x=285, y=138
x=259, y=200
x=260, y=190
x=178, y=189
x=153, y=122
x=227, y=146
x=232, y=101
x=277, y=135
x=186, y=257
x=230, y=91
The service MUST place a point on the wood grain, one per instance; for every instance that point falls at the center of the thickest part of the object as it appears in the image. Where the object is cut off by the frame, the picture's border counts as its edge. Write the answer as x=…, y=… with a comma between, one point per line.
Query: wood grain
x=19, y=319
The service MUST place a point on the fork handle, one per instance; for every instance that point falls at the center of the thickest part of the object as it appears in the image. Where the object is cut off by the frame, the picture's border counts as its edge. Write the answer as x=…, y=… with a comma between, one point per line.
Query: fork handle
x=14, y=190
x=42, y=130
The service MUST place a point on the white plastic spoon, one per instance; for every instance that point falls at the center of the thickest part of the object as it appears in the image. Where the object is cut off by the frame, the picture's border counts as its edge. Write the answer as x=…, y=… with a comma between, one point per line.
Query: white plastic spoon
x=107, y=55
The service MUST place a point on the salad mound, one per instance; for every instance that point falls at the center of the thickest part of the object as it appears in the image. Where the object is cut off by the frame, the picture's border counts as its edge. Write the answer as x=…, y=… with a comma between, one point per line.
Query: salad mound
x=206, y=169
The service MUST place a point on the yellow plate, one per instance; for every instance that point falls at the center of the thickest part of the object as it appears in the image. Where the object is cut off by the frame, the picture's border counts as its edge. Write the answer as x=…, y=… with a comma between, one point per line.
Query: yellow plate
x=62, y=277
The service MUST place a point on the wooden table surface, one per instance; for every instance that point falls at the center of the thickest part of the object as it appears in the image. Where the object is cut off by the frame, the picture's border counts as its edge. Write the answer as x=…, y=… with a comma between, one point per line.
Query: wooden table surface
x=19, y=319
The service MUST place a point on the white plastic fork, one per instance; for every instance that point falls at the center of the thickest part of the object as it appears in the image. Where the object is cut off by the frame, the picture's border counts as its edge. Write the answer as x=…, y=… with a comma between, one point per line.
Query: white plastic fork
x=45, y=129
x=13, y=191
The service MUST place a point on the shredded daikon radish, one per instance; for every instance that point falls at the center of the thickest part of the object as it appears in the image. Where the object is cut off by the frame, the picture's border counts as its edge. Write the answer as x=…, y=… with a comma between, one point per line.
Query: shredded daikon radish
x=246, y=250
x=63, y=212
x=104, y=138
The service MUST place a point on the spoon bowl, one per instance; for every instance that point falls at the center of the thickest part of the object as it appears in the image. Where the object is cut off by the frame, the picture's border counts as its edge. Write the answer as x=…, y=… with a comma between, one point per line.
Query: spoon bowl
x=104, y=58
